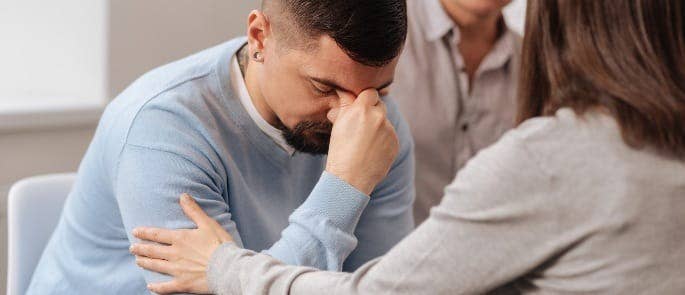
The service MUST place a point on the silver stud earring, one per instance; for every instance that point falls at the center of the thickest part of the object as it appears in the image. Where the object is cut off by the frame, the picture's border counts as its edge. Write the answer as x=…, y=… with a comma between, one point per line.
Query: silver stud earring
x=258, y=57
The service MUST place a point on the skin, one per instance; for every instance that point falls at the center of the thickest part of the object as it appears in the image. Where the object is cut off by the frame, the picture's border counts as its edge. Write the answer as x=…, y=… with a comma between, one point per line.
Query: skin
x=359, y=125
x=297, y=82
x=478, y=22
x=288, y=87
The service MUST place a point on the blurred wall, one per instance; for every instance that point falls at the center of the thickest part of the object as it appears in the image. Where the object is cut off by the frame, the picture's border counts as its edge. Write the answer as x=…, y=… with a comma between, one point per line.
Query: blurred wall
x=146, y=34
x=86, y=50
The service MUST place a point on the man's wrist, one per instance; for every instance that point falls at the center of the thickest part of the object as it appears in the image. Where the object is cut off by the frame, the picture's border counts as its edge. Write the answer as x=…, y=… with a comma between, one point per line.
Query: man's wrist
x=360, y=183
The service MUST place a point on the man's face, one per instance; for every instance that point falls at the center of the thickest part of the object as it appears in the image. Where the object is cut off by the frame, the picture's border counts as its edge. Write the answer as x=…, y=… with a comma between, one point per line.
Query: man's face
x=299, y=85
x=483, y=8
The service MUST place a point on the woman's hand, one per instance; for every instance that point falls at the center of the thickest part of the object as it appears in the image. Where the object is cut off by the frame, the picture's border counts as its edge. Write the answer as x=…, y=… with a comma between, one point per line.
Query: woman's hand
x=183, y=254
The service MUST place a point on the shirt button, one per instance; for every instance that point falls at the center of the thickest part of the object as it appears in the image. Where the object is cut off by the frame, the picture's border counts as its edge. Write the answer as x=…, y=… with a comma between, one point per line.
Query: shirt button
x=465, y=127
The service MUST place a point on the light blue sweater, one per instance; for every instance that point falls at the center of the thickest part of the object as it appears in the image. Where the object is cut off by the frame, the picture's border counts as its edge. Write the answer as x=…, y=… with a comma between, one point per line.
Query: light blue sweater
x=182, y=129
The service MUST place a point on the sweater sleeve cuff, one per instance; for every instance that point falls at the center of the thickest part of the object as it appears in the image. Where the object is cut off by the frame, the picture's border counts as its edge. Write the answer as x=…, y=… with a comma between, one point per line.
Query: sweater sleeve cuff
x=220, y=278
x=336, y=200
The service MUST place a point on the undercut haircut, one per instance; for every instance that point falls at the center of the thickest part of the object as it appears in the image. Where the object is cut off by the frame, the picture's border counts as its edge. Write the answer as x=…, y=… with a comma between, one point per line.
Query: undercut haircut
x=371, y=32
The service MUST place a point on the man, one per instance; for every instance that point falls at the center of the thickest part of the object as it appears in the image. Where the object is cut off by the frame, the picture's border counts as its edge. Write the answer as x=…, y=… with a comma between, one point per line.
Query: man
x=456, y=85
x=244, y=128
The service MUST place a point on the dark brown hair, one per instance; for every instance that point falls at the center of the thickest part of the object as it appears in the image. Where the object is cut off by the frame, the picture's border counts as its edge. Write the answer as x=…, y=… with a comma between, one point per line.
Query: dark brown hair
x=371, y=32
x=626, y=56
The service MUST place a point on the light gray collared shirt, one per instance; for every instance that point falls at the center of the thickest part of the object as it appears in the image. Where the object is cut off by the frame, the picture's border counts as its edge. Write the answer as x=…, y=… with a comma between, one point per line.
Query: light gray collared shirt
x=450, y=122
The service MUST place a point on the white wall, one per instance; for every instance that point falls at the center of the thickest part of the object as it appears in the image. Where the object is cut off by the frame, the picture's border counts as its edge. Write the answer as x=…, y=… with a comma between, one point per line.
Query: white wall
x=55, y=54
x=52, y=48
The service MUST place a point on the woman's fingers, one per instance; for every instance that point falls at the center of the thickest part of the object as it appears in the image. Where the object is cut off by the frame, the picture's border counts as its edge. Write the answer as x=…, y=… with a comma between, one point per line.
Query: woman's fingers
x=156, y=265
x=194, y=211
x=166, y=287
x=153, y=251
x=159, y=235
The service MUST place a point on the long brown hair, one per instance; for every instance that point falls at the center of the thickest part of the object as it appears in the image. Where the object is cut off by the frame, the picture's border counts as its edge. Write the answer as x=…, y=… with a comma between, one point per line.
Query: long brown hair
x=627, y=56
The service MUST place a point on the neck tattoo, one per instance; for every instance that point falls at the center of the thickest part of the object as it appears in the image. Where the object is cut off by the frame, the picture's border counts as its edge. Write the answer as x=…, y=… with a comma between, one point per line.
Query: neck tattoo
x=243, y=59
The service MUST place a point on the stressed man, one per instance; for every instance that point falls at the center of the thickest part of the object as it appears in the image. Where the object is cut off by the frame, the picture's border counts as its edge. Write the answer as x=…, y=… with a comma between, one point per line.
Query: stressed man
x=244, y=127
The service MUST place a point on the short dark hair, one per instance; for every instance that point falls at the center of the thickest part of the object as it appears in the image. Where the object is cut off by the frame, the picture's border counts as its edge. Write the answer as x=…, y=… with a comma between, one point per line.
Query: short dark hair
x=627, y=57
x=371, y=32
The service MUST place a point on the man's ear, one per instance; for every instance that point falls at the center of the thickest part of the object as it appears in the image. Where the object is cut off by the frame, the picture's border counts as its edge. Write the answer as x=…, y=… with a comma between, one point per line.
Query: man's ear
x=258, y=31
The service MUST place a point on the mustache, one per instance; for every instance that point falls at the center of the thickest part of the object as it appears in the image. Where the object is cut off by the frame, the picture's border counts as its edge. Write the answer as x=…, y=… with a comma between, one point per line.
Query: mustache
x=318, y=127
x=309, y=136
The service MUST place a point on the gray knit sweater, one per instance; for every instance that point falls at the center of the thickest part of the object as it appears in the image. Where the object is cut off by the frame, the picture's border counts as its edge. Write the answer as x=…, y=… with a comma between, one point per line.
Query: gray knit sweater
x=559, y=205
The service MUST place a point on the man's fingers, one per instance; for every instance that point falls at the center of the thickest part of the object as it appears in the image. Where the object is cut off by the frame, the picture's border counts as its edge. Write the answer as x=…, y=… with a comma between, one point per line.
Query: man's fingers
x=155, y=251
x=194, y=211
x=346, y=99
x=165, y=288
x=368, y=97
x=159, y=235
x=381, y=105
x=156, y=265
x=333, y=114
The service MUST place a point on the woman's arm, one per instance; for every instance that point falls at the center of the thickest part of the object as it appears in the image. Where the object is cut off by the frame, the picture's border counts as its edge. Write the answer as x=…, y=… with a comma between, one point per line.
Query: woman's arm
x=499, y=220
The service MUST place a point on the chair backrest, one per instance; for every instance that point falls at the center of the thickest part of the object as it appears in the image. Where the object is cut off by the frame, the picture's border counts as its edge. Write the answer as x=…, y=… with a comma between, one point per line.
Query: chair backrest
x=34, y=208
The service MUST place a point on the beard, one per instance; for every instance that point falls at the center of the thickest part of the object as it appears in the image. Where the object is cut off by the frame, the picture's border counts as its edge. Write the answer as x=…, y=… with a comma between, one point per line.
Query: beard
x=309, y=137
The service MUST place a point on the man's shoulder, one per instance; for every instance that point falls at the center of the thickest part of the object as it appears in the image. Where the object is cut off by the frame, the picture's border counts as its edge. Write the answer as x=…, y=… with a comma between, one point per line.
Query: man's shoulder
x=172, y=76
x=171, y=106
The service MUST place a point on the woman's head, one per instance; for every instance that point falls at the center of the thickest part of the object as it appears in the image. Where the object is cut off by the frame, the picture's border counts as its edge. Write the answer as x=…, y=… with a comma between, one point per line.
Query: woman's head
x=627, y=57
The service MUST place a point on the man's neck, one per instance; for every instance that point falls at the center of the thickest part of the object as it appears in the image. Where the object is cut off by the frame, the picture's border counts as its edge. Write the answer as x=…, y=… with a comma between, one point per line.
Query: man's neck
x=252, y=87
x=478, y=35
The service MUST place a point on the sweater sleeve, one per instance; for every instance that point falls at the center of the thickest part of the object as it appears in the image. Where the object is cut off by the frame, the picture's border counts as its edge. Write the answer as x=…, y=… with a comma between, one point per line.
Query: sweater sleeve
x=497, y=222
x=165, y=157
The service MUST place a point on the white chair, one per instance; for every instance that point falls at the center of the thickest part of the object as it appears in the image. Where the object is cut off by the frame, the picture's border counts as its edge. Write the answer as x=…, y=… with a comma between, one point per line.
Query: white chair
x=33, y=210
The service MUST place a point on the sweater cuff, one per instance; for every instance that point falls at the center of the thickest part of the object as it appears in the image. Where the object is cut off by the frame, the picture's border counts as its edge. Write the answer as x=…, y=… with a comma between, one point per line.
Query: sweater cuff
x=337, y=201
x=221, y=278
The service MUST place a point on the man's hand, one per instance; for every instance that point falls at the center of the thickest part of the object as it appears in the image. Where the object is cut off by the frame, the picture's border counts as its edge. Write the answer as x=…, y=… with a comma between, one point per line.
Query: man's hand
x=363, y=141
x=182, y=254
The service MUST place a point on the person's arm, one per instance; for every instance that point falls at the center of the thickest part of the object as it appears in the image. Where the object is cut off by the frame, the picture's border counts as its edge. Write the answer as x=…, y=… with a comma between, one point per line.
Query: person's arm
x=149, y=181
x=153, y=172
x=388, y=217
x=360, y=124
x=321, y=230
x=164, y=158
x=499, y=220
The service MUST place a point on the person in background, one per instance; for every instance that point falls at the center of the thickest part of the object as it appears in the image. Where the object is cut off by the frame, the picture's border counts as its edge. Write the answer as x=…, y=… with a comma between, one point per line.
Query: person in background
x=456, y=86
x=585, y=196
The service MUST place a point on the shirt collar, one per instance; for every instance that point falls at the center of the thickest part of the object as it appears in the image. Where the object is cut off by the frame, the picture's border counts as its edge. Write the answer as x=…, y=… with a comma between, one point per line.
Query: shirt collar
x=436, y=24
x=503, y=51
x=434, y=20
x=238, y=84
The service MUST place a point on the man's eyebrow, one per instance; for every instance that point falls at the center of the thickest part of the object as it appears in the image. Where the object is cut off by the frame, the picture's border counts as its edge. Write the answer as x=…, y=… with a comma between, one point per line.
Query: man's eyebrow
x=333, y=85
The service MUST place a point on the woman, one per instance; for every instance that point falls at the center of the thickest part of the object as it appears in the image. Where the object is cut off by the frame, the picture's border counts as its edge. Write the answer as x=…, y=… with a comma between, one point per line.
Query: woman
x=587, y=195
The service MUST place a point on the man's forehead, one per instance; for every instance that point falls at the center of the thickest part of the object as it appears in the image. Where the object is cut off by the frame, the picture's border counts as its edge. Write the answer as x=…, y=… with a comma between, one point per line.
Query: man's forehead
x=329, y=63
